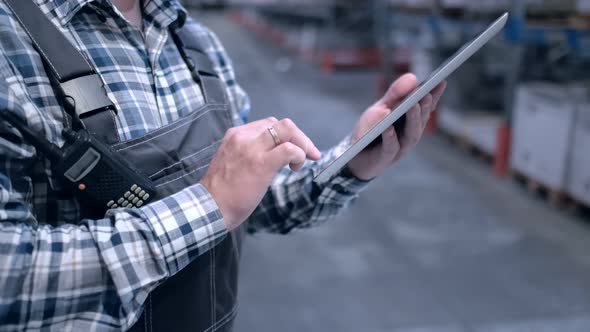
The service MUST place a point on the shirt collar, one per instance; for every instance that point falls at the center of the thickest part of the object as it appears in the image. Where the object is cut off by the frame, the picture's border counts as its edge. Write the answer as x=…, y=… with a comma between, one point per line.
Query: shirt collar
x=165, y=12
x=66, y=9
x=171, y=10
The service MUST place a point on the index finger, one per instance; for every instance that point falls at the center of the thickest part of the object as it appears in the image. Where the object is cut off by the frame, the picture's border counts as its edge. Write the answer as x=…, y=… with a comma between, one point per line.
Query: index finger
x=288, y=131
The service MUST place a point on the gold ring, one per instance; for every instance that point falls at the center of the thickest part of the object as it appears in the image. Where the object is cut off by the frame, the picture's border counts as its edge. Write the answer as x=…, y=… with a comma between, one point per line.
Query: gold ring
x=275, y=136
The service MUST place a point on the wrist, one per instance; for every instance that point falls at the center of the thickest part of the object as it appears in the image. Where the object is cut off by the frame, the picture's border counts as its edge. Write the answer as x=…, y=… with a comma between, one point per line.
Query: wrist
x=349, y=173
x=224, y=210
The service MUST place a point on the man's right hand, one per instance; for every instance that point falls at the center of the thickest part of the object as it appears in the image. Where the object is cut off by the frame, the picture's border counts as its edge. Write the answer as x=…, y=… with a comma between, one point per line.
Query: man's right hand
x=247, y=161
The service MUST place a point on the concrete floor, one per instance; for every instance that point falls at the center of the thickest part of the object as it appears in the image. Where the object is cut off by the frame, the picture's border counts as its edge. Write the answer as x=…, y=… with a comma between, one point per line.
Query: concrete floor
x=436, y=245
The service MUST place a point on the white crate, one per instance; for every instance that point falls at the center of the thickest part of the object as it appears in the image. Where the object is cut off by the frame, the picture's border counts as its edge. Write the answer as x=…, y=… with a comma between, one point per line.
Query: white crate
x=542, y=131
x=579, y=168
x=482, y=131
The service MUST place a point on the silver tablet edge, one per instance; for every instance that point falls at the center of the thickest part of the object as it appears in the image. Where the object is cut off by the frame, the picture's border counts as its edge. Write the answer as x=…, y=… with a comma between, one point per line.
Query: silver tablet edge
x=474, y=46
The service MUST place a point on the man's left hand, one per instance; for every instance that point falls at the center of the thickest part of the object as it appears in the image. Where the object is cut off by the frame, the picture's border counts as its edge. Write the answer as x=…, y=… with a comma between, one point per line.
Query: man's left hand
x=372, y=162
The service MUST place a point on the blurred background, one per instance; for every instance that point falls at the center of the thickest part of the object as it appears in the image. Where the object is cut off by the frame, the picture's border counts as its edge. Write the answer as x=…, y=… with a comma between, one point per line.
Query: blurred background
x=485, y=227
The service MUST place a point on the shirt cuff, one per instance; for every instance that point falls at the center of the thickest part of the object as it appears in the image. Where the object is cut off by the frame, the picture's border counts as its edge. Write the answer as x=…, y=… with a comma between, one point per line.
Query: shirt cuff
x=187, y=224
x=344, y=179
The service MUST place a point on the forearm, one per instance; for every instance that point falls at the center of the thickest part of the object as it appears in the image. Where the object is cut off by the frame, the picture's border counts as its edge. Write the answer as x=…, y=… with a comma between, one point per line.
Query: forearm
x=294, y=200
x=108, y=265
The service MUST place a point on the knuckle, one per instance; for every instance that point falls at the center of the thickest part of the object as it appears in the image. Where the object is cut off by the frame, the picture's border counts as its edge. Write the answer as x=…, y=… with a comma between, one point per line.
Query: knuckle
x=272, y=119
x=236, y=137
x=292, y=149
x=289, y=147
x=231, y=132
x=288, y=123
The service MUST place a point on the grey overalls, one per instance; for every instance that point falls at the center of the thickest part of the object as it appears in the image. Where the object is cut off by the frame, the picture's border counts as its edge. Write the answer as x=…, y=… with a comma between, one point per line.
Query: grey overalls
x=201, y=297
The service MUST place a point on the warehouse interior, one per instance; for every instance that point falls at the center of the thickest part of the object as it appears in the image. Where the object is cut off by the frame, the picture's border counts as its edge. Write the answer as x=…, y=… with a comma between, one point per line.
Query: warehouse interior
x=485, y=227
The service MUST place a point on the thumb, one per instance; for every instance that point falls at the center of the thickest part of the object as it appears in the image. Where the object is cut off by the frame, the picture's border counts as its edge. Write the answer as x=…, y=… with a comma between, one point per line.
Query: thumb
x=399, y=89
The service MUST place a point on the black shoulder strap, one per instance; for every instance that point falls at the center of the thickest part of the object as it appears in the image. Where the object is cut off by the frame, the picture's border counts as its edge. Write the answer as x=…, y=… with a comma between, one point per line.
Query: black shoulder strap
x=48, y=39
x=198, y=62
x=81, y=88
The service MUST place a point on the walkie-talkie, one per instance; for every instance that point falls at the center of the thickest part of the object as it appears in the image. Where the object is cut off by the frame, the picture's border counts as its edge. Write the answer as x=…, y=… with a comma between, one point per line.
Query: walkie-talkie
x=97, y=175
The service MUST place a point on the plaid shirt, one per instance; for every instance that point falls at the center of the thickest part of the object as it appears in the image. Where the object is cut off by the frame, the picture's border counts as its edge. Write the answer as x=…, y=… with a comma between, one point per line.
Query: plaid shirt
x=58, y=272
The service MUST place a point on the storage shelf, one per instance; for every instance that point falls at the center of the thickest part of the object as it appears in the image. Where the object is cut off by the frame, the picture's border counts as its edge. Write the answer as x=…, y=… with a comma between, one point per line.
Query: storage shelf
x=518, y=30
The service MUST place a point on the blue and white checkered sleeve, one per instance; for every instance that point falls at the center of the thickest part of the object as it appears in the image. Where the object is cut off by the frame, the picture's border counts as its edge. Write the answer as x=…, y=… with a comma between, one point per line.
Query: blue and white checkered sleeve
x=98, y=271
x=294, y=201
x=111, y=263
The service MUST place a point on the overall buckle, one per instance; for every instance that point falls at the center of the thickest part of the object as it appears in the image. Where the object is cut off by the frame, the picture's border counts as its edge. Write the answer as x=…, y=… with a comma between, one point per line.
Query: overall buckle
x=86, y=95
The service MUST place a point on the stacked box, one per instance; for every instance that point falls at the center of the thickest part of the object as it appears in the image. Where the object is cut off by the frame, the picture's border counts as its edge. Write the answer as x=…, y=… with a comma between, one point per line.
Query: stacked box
x=579, y=168
x=544, y=116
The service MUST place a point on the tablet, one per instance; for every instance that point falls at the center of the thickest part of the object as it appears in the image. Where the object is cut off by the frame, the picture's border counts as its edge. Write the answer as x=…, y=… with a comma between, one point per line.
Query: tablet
x=439, y=75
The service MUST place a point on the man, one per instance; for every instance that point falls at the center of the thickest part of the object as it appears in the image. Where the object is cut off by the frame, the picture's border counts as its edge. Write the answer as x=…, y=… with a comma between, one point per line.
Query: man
x=170, y=264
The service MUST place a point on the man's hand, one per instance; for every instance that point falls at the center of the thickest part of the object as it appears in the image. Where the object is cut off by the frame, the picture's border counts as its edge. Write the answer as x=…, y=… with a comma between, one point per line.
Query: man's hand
x=247, y=161
x=372, y=162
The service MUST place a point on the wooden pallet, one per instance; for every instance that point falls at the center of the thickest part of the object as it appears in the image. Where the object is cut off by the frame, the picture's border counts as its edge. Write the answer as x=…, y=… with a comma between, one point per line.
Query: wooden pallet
x=574, y=21
x=579, y=21
x=558, y=199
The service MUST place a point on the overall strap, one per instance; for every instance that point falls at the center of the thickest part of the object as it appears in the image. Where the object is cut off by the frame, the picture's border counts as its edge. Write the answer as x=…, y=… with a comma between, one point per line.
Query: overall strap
x=81, y=89
x=200, y=65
